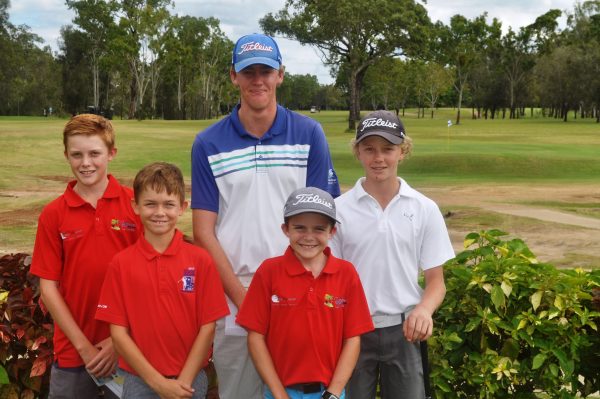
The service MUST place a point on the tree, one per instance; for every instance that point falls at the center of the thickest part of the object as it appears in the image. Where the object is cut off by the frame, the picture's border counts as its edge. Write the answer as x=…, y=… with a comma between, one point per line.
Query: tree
x=142, y=24
x=29, y=79
x=95, y=18
x=4, y=6
x=584, y=32
x=437, y=81
x=75, y=69
x=460, y=46
x=379, y=83
x=298, y=91
x=355, y=33
x=517, y=61
x=198, y=56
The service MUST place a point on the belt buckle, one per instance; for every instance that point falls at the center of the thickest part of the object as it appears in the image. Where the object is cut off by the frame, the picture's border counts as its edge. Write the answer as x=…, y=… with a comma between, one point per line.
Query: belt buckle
x=307, y=387
x=312, y=387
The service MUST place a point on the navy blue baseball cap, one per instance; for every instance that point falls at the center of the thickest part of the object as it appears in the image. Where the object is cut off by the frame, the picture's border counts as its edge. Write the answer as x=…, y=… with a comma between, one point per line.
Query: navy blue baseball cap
x=255, y=49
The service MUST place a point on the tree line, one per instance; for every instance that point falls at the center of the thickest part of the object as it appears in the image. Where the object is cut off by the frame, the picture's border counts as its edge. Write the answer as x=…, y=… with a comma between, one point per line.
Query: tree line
x=135, y=59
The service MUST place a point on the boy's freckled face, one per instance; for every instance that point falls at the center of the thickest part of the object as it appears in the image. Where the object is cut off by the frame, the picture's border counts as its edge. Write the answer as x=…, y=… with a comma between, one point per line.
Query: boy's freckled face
x=309, y=235
x=88, y=157
x=158, y=211
x=379, y=158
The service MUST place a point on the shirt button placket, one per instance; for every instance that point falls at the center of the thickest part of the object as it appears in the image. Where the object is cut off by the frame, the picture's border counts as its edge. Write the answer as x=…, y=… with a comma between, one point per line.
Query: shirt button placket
x=162, y=277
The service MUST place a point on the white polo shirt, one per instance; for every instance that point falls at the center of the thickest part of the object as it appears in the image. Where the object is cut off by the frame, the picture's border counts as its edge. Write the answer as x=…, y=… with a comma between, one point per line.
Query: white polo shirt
x=389, y=247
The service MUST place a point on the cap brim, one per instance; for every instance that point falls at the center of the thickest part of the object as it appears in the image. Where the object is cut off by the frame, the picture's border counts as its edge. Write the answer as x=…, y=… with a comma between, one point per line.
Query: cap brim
x=299, y=211
x=392, y=138
x=256, y=60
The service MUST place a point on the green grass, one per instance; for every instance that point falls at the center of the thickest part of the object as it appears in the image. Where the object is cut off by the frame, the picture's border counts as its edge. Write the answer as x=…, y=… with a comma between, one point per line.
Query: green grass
x=526, y=151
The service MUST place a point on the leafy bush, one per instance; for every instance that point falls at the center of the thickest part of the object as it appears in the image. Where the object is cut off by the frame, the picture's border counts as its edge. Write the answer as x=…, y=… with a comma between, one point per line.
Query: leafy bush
x=26, y=334
x=25, y=331
x=511, y=327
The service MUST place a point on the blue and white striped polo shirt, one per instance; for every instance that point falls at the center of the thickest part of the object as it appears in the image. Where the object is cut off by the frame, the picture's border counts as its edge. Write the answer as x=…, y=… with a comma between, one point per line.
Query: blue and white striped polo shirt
x=247, y=180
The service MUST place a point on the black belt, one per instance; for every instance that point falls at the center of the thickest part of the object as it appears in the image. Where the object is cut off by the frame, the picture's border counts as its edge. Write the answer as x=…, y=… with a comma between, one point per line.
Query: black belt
x=309, y=387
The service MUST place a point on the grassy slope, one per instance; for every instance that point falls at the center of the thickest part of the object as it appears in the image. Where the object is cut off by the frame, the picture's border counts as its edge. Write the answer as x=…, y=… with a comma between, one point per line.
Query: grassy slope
x=529, y=151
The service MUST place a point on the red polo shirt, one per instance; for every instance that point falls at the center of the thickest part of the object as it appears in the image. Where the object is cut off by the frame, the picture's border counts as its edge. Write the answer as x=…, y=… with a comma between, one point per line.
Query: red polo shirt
x=163, y=299
x=74, y=245
x=305, y=319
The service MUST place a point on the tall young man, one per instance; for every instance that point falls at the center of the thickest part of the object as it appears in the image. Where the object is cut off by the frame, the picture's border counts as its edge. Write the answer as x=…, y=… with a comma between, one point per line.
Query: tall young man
x=243, y=169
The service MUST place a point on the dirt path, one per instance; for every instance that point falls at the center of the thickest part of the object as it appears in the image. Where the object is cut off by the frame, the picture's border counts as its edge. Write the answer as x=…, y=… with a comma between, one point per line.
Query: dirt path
x=563, y=238
x=546, y=215
x=554, y=236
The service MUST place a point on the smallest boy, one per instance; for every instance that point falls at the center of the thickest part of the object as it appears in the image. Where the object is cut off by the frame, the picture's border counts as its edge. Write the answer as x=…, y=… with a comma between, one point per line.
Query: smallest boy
x=305, y=310
x=162, y=296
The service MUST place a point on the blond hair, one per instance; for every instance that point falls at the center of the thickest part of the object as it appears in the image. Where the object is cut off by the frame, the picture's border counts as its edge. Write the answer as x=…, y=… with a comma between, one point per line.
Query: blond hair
x=406, y=147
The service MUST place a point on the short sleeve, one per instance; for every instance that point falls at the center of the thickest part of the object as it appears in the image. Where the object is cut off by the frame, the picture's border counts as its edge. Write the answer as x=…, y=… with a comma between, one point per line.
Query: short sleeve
x=205, y=193
x=321, y=173
x=110, y=304
x=436, y=247
x=357, y=317
x=213, y=304
x=255, y=313
x=47, y=258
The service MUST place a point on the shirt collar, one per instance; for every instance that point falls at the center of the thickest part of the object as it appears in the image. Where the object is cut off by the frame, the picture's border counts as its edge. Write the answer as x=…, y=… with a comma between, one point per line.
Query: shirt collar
x=278, y=126
x=405, y=189
x=294, y=267
x=74, y=200
x=150, y=253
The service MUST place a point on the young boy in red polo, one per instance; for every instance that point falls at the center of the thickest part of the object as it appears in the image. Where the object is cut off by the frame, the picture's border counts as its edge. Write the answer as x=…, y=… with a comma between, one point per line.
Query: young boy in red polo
x=305, y=310
x=77, y=235
x=162, y=296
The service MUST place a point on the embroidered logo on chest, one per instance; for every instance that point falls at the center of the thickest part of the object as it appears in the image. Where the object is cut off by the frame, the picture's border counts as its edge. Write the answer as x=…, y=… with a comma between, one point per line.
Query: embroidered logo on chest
x=334, y=302
x=278, y=300
x=122, y=225
x=188, y=280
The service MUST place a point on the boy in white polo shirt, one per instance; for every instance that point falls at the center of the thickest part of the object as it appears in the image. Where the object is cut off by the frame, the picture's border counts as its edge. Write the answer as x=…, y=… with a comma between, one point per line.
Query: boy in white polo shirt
x=390, y=232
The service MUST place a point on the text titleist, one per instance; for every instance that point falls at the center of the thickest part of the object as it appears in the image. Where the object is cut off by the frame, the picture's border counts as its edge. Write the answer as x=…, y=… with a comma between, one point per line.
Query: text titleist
x=312, y=198
x=370, y=122
x=251, y=46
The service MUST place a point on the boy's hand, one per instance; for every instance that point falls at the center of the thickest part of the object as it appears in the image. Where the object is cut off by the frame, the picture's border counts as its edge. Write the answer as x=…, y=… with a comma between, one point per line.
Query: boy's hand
x=104, y=362
x=173, y=389
x=419, y=325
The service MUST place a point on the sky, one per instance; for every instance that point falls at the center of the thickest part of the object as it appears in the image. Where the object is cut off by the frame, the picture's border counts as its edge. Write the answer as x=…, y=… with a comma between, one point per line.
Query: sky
x=240, y=17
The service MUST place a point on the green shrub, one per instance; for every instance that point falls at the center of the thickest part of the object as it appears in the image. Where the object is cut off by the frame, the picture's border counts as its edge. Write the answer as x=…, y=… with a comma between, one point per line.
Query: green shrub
x=26, y=334
x=25, y=331
x=511, y=327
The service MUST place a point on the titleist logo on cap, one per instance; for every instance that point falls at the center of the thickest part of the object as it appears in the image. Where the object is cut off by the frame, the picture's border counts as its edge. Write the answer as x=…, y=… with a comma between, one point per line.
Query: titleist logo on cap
x=312, y=198
x=251, y=46
x=370, y=122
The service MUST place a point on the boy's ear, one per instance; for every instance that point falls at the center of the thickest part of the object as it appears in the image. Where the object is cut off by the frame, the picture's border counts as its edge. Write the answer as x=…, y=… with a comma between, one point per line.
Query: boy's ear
x=134, y=205
x=184, y=206
x=284, y=228
x=333, y=231
x=112, y=153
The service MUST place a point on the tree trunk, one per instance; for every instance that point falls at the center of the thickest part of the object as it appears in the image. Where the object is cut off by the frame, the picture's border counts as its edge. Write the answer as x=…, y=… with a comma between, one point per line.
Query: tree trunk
x=132, y=98
x=354, y=114
x=460, y=95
